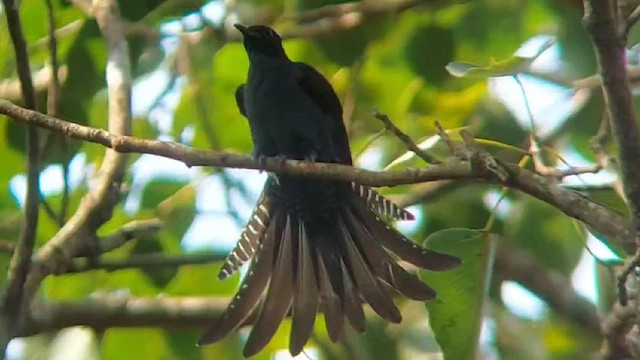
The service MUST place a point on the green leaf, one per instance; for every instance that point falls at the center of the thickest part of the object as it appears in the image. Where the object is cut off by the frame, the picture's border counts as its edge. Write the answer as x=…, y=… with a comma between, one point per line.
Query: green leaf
x=429, y=64
x=455, y=315
x=157, y=190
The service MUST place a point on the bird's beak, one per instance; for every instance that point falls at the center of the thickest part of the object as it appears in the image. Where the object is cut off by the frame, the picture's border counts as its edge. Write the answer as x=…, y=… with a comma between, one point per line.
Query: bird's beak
x=243, y=29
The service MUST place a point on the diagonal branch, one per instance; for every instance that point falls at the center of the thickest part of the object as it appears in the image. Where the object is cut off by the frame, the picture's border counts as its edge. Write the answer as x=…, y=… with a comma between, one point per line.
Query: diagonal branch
x=14, y=300
x=95, y=208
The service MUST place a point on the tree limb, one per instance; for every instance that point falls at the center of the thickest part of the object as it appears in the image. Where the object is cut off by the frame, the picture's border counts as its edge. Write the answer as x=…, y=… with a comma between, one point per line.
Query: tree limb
x=572, y=203
x=14, y=300
x=610, y=50
x=96, y=207
x=164, y=312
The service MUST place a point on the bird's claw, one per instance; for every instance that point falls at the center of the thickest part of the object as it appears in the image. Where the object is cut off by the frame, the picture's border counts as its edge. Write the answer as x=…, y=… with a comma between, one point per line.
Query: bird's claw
x=311, y=157
x=261, y=160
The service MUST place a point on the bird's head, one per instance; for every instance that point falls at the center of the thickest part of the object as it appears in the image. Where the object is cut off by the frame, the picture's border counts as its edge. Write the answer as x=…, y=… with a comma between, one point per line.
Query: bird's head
x=263, y=40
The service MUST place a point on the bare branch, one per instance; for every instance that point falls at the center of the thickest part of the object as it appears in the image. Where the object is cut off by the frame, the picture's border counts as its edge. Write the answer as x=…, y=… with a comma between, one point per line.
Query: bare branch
x=164, y=312
x=574, y=204
x=14, y=301
x=145, y=261
x=409, y=143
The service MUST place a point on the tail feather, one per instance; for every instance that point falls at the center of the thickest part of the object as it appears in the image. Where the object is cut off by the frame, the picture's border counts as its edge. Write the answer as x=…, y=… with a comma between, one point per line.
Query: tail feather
x=352, y=304
x=330, y=281
x=305, y=300
x=404, y=248
x=329, y=301
x=381, y=205
x=250, y=237
x=367, y=283
x=279, y=295
x=384, y=266
x=330, y=258
x=251, y=291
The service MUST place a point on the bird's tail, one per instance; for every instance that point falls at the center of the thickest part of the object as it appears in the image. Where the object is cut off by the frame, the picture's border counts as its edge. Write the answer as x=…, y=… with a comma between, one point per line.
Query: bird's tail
x=332, y=264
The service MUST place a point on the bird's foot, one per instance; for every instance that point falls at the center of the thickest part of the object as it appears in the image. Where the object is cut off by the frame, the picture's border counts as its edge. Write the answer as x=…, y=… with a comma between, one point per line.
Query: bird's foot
x=311, y=157
x=261, y=160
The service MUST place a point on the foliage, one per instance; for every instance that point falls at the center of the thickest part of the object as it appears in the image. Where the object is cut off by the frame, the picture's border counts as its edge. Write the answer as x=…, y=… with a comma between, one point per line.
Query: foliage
x=400, y=62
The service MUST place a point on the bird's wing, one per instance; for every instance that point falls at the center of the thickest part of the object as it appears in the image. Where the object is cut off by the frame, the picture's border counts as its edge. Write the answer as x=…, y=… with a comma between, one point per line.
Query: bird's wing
x=318, y=88
x=240, y=100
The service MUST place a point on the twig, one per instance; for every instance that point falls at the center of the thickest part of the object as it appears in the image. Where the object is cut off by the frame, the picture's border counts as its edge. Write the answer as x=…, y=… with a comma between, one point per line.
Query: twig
x=131, y=230
x=630, y=22
x=14, y=301
x=53, y=96
x=453, y=148
x=574, y=204
x=144, y=261
x=408, y=142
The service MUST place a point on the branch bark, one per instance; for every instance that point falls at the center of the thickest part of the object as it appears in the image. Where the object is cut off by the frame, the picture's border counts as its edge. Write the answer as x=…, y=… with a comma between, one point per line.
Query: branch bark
x=599, y=20
x=14, y=300
x=95, y=208
x=572, y=203
x=100, y=314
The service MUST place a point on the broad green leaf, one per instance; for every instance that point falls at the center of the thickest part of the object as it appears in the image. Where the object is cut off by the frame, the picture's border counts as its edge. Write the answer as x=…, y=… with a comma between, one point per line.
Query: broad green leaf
x=455, y=315
x=157, y=190
x=429, y=64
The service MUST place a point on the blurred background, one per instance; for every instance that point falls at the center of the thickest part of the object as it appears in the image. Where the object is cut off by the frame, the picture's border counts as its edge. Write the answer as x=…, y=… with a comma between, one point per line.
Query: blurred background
x=517, y=69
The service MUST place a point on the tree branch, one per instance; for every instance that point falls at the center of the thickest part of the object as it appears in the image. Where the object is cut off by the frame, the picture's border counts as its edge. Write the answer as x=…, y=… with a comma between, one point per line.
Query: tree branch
x=14, y=300
x=99, y=314
x=95, y=208
x=610, y=50
x=572, y=203
x=145, y=261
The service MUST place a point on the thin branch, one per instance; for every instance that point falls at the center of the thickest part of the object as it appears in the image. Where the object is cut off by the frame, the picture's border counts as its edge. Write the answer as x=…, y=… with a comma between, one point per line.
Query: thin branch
x=630, y=22
x=99, y=314
x=574, y=204
x=10, y=88
x=145, y=261
x=406, y=139
x=96, y=207
x=610, y=52
x=14, y=301
x=129, y=231
x=53, y=96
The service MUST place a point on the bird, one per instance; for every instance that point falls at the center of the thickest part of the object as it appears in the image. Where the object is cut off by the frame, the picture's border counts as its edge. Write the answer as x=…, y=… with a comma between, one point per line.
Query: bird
x=313, y=245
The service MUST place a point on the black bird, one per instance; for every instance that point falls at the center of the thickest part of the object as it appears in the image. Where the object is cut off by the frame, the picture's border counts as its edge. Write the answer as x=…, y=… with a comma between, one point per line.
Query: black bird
x=314, y=245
